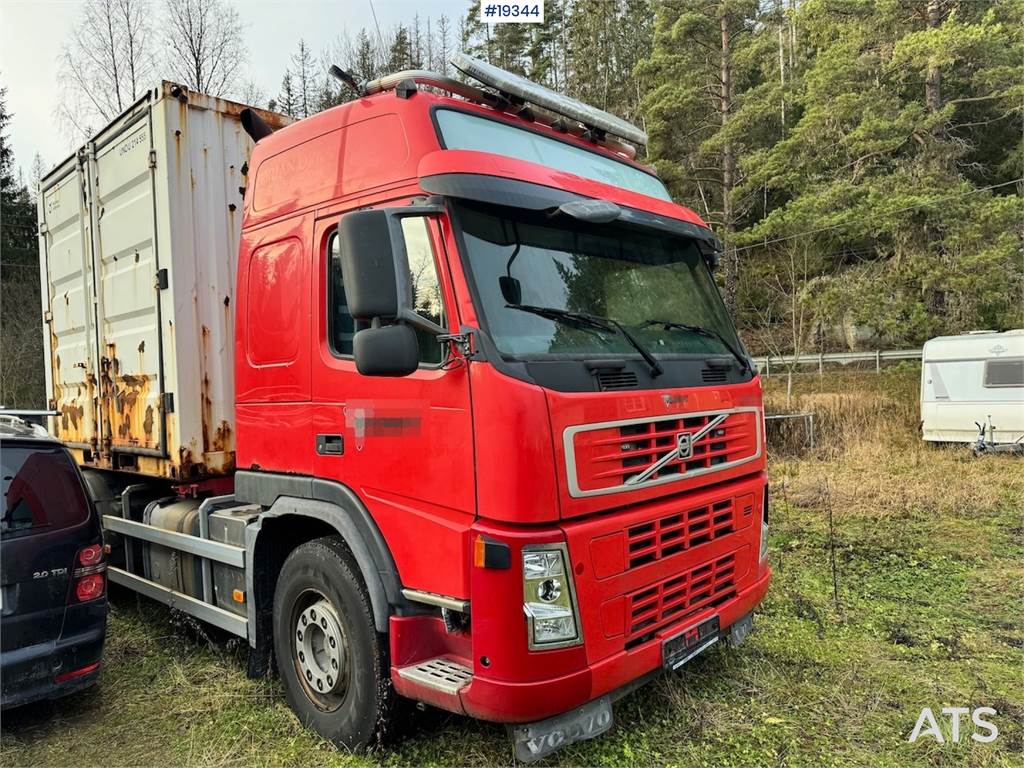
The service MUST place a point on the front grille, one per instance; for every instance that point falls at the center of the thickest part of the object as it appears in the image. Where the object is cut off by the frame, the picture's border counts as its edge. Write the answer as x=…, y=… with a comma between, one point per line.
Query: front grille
x=674, y=599
x=714, y=375
x=607, y=457
x=678, y=532
x=610, y=381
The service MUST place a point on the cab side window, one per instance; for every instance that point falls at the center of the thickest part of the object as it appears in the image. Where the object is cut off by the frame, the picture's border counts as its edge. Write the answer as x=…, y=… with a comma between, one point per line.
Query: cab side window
x=341, y=326
x=426, y=294
x=426, y=288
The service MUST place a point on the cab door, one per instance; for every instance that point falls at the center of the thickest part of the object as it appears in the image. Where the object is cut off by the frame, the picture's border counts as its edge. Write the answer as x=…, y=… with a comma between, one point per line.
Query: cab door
x=404, y=445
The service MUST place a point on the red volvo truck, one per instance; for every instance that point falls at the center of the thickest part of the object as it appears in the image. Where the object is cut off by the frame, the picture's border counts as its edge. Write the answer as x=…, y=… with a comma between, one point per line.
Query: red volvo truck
x=431, y=394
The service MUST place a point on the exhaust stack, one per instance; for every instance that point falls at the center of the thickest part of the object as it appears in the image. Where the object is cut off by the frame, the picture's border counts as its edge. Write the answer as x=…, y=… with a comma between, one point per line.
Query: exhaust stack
x=255, y=125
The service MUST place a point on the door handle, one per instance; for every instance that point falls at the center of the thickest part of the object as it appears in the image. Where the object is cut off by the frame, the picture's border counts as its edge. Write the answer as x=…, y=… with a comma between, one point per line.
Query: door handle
x=330, y=445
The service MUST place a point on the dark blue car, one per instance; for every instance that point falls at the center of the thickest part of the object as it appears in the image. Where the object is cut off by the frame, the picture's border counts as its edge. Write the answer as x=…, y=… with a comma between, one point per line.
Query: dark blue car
x=53, y=600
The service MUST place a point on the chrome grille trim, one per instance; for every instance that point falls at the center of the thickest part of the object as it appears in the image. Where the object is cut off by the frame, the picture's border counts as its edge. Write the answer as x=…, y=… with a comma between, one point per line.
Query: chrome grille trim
x=570, y=433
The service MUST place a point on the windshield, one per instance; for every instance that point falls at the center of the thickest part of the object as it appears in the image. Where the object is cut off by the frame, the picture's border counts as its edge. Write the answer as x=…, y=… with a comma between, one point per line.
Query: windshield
x=626, y=275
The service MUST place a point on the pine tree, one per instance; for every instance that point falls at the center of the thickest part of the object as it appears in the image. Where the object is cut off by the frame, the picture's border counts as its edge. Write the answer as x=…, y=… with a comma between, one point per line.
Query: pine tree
x=400, y=53
x=416, y=44
x=17, y=214
x=36, y=173
x=304, y=79
x=365, y=64
x=442, y=46
x=703, y=60
x=21, y=354
x=545, y=59
x=509, y=44
x=286, y=99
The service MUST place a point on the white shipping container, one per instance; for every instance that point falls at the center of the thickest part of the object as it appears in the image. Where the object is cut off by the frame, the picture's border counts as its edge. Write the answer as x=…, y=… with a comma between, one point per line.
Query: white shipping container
x=138, y=239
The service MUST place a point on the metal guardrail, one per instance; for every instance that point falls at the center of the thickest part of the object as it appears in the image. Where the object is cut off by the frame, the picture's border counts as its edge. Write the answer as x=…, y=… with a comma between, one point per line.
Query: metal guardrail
x=843, y=358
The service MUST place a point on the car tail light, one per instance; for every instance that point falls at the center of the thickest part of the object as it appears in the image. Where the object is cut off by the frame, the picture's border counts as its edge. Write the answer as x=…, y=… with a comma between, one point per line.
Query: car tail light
x=91, y=555
x=89, y=580
x=90, y=587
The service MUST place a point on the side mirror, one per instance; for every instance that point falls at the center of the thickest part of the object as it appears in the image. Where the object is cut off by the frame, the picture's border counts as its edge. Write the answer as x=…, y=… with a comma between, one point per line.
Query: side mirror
x=375, y=270
x=368, y=265
x=388, y=350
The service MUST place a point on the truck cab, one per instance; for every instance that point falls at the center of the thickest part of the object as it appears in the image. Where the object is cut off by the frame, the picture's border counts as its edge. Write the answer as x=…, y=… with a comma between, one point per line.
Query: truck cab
x=503, y=344
x=494, y=446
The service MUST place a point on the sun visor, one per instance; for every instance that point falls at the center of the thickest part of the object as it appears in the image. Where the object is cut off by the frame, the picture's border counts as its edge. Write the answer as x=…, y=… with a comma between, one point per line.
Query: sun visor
x=514, y=193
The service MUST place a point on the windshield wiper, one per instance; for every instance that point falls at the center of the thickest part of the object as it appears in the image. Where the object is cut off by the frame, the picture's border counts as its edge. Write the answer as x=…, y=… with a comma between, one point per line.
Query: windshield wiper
x=700, y=330
x=594, y=321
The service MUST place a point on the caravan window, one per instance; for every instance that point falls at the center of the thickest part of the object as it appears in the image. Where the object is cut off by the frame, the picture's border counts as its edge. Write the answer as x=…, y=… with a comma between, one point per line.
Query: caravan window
x=1004, y=373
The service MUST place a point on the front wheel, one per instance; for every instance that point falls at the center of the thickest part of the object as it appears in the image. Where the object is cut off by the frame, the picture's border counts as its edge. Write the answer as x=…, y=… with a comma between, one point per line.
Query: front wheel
x=332, y=662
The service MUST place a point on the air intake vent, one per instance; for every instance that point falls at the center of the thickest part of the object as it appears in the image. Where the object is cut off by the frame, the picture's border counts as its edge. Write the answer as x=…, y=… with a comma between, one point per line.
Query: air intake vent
x=715, y=375
x=612, y=380
x=678, y=597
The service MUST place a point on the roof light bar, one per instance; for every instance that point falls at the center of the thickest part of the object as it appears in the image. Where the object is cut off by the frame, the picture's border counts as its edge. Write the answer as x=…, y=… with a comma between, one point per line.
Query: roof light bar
x=469, y=92
x=519, y=87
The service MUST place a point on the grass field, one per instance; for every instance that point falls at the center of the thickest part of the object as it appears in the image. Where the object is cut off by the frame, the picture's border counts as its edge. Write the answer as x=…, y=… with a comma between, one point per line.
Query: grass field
x=924, y=607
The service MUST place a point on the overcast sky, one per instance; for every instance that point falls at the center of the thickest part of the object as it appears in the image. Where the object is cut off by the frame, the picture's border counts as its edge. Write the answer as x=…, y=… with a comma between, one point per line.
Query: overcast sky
x=32, y=32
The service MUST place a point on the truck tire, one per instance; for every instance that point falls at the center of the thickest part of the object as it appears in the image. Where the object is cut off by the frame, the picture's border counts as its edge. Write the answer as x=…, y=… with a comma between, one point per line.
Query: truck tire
x=333, y=663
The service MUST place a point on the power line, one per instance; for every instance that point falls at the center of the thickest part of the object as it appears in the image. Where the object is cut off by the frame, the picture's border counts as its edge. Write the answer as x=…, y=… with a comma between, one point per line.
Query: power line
x=380, y=37
x=887, y=213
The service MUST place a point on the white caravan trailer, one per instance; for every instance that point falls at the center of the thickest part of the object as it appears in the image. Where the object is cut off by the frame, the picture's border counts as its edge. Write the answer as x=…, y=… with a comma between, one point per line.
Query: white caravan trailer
x=971, y=380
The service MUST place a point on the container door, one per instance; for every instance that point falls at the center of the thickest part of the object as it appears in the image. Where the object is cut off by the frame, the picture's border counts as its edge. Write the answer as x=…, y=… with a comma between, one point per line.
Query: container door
x=131, y=382
x=71, y=318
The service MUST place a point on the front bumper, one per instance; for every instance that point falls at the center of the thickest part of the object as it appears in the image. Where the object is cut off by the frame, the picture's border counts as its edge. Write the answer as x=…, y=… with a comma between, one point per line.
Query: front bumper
x=29, y=674
x=522, y=702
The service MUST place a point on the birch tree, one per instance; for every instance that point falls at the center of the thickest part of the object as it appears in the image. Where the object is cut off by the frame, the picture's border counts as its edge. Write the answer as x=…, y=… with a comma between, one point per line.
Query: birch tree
x=205, y=50
x=105, y=64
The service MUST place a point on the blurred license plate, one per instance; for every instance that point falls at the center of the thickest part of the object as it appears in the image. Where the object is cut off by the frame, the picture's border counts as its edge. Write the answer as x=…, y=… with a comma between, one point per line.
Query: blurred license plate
x=679, y=649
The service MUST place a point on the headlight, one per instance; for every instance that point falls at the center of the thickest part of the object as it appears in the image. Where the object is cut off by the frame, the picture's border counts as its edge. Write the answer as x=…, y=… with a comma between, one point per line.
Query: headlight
x=549, y=599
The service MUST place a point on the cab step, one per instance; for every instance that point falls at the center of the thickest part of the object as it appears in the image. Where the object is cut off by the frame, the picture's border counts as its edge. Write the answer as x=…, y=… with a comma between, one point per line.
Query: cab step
x=440, y=673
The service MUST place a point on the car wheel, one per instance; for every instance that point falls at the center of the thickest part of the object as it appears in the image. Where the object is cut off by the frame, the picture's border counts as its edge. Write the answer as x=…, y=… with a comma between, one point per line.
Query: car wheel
x=332, y=661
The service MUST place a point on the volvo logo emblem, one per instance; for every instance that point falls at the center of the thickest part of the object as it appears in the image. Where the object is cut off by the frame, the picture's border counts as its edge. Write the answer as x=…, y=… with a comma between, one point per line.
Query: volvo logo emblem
x=682, y=451
x=684, y=445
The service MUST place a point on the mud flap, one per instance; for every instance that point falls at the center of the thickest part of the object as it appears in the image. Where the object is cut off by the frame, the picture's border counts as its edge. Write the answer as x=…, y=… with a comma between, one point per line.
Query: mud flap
x=534, y=741
x=740, y=629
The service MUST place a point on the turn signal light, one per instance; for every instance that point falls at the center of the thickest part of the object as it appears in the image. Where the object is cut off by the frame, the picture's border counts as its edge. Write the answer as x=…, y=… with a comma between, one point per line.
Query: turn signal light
x=488, y=553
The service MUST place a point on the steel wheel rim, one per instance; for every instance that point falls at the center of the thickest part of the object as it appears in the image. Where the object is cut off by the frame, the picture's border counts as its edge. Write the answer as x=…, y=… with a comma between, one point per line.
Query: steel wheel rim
x=320, y=650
